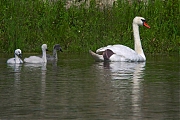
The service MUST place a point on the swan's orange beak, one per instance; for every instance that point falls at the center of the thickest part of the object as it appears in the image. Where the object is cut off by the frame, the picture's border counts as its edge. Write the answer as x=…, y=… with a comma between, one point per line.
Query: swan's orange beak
x=146, y=25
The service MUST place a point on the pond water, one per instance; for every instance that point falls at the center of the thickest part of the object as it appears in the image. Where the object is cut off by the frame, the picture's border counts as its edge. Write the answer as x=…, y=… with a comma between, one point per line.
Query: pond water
x=76, y=87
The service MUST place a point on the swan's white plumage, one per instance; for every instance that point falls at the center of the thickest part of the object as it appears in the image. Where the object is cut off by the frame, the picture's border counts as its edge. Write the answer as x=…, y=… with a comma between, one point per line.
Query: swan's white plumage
x=36, y=59
x=16, y=59
x=124, y=53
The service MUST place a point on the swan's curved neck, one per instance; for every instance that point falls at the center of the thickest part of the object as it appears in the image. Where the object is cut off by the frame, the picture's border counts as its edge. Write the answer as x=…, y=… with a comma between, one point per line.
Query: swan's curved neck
x=17, y=59
x=54, y=54
x=44, y=56
x=137, y=41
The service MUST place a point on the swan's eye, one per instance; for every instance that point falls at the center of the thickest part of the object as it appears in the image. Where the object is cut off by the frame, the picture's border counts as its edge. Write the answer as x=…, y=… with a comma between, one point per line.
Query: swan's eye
x=143, y=20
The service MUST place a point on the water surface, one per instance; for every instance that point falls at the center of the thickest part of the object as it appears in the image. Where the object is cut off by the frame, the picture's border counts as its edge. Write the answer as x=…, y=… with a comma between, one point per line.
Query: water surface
x=76, y=87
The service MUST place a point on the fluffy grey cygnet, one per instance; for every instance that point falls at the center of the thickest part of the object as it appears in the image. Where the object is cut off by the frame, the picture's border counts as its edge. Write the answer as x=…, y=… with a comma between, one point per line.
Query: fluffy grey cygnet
x=56, y=48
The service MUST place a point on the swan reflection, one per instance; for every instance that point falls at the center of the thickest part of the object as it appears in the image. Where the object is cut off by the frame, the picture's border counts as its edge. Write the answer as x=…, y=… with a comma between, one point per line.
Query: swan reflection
x=125, y=79
x=16, y=70
x=40, y=70
x=15, y=67
x=35, y=66
x=124, y=70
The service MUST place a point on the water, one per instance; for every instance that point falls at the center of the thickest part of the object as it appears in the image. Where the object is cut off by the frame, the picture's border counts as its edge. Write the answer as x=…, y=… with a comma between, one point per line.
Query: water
x=78, y=88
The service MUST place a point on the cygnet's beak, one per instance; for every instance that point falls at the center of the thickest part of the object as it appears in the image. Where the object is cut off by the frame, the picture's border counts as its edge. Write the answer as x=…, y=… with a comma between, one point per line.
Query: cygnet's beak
x=60, y=49
x=20, y=55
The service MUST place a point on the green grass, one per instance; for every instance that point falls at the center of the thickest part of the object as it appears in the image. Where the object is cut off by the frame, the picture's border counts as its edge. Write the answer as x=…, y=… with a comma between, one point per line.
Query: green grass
x=27, y=24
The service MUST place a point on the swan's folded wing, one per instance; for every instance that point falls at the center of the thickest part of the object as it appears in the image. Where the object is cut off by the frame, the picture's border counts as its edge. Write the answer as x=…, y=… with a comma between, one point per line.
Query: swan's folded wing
x=33, y=59
x=102, y=49
x=11, y=60
x=122, y=51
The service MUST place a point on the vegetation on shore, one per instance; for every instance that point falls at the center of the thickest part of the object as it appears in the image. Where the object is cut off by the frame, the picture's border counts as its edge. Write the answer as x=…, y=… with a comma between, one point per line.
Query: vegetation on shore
x=27, y=24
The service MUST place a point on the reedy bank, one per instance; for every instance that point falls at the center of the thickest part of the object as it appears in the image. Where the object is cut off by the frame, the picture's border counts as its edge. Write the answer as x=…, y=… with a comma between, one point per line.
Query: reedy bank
x=27, y=24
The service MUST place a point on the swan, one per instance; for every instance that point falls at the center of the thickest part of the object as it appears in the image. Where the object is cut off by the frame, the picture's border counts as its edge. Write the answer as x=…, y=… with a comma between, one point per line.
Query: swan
x=16, y=59
x=123, y=53
x=56, y=48
x=36, y=59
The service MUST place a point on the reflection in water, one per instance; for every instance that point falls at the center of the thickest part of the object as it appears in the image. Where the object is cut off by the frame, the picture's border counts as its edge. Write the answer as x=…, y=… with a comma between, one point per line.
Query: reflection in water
x=43, y=68
x=17, y=73
x=77, y=88
x=124, y=70
x=125, y=79
x=54, y=63
x=35, y=66
x=43, y=89
x=17, y=83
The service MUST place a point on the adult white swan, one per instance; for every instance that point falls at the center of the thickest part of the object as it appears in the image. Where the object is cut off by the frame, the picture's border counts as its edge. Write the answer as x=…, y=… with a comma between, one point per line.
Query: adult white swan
x=36, y=59
x=121, y=52
x=16, y=59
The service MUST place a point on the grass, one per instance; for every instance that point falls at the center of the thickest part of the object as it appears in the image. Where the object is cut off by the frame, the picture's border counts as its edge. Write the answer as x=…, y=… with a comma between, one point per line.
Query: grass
x=27, y=24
